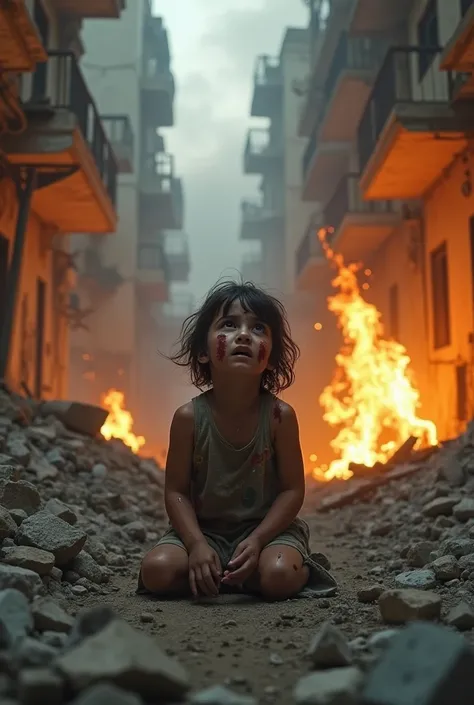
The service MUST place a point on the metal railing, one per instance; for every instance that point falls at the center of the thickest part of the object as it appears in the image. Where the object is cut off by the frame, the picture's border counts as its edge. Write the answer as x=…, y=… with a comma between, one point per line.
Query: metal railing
x=118, y=129
x=348, y=199
x=310, y=150
x=408, y=75
x=465, y=5
x=251, y=210
x=267, y=71
x=355, y=54
x=309, y=245
x=59, y=84
x=258, y=141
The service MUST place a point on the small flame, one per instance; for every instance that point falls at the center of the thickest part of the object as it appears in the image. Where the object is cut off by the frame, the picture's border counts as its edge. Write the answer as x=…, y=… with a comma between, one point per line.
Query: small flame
x=372, y=393
x=119, y=422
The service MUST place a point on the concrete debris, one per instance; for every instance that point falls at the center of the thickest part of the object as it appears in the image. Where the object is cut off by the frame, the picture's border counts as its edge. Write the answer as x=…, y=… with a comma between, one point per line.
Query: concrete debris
x=339, y=686
x=329, y=648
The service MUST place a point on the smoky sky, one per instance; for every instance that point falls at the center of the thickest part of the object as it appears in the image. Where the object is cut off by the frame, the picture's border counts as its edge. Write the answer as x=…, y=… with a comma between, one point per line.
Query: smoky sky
x=214, y=44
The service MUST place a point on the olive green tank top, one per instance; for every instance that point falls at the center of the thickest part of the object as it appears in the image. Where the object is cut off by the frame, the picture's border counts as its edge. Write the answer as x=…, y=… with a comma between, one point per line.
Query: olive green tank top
x=232, y=486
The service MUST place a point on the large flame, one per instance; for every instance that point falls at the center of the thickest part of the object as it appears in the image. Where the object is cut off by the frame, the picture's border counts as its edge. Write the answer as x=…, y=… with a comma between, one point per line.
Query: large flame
x=119, y=422
x=372, y=398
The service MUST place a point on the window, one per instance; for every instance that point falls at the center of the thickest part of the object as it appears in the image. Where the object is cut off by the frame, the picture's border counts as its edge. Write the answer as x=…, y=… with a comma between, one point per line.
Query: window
x=393, y=312
x=465, y=5
x=440, y=297
x=428, y=37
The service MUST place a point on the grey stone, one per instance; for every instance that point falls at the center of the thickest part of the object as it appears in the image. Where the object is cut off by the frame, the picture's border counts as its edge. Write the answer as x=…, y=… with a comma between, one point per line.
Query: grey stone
x=7, y=471
x=37, y=686
x=61, y=510
x=401, y=606
x=419, y=554
x=50, y=533
x=19, y=495
x=18, y=515
x=338, y=686
x=91, y=621
x=464, y=510
x=446, y=568
x=457, y=547
x=129, y=658
x=381, y=640
x=467, y=562
x=85, y=566
x=16, y=620
x=49, y=616
x=31, y=558
x=419, y=579
x=220, y=695
x=42, y=468
x=440, y=506
x=370, y=593
x=461, y=616
x=136, y=530
x=107, y=694
x=19, y=451
x=99, y=471
x=26, y=581
x=329, y=648
x=7, y=524
x=34, y=653
x=425, y=665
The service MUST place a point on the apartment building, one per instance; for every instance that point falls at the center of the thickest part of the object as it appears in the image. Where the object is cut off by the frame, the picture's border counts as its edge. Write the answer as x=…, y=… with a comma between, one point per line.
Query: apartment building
x=127, y=279
x=58, y=174
x=388, y=116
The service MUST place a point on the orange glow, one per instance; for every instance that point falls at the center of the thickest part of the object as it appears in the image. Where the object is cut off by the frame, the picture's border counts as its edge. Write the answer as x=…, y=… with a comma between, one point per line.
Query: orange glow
x=119, y=422
x=318, y=326
x=372, y=398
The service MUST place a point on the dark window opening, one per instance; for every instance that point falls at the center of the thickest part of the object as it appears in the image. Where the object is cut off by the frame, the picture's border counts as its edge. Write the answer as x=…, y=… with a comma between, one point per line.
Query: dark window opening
x=40, y=76
x=3, y=275
x=440, y=297
x=462, y=392
x=428, y=37
x=393, y=312
x=465, y=5
x=40, y=325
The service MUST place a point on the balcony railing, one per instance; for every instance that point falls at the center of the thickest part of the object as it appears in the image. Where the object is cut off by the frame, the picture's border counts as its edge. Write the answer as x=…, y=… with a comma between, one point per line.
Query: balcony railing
x=355, y=54
x=408, y=75
x=310, y=150
x=118, y=129
x=267, y=71
x=347, y=200
x=310, y=245
x=258, y=142
x=465, y=5
x=59, y=84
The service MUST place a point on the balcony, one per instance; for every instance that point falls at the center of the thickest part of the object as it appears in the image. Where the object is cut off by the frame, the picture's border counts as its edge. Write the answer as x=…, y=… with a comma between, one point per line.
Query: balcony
x=410, y=131
x=119, y=131
x=324, y=164
x=262, y=154
x=458, y=54
x=268, y=88
x=177, y=256
x=161, y=195
x=259, y=221
x=359, y=227
x=157, y=82
x=376, y=16
x=352, y=72
x=311, y=263
x=65, y=137
x=21, y=47
x=90, y=9
x=151, y=276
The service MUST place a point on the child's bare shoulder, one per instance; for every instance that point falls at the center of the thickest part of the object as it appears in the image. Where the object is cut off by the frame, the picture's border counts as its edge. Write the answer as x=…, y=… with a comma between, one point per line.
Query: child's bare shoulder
x=283, y=413
x=183, y=419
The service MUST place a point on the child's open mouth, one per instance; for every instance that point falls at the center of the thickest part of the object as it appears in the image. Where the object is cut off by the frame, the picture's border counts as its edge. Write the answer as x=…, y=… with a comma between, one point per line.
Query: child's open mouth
x=242, y=352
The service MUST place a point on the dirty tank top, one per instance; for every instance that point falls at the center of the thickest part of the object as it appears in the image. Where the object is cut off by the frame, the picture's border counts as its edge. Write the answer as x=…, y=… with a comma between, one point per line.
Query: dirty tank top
x=232, y=486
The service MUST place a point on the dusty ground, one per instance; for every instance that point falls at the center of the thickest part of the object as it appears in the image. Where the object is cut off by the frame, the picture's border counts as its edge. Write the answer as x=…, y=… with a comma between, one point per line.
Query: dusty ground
x=255, y=647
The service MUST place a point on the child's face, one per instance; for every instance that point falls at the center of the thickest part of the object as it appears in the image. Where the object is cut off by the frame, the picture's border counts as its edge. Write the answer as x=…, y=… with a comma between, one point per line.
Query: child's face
x=239, y=342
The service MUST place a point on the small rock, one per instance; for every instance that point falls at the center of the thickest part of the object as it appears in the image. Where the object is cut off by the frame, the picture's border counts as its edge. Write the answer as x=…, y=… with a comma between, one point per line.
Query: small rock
x=37, y=686
x=107, y=694
x=61, y=510
x=18, y=515
x=99, y=471
x=20, y=495
x=464, y=510
x=50, y=533
x=419, y=579
x=7, y=524
x=457, y=547
x=370, y=594
x=461, y=616
x=136, y=531
x=219, y=695
x=338, y=686
x=16, y=621
x=147, y=618
x=419, y=554
x=7, y=471
x=79, y=590
x=34, y=653
x=440, y=506
x=85, y=566
x=26, y=581
x=401, y=606
x=49, y=616
x=329, y=648
x=467, y=562
x=381, y=640
x=446, y=568
x=41, y=562
x=19, y=451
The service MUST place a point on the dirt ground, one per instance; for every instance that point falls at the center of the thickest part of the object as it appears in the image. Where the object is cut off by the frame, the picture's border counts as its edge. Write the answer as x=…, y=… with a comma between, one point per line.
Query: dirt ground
x=254, y=647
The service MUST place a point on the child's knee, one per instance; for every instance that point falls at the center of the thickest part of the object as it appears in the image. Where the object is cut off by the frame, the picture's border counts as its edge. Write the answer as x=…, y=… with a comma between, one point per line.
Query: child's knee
x=164, y=569
x=282, y=574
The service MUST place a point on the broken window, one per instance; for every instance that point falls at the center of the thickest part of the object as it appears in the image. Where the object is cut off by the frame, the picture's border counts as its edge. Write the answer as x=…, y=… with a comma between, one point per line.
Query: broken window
x=440, y=297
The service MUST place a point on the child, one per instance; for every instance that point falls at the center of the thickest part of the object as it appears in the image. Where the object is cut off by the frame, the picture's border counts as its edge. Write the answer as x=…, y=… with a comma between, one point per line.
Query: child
x=234, y=474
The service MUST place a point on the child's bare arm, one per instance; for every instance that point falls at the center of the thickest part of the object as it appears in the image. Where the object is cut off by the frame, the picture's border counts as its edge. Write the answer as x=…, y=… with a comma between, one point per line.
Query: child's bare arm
x=177, y=484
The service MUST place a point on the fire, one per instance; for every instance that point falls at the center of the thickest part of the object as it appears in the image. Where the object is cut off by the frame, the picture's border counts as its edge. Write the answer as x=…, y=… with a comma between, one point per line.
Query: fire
x=119, y=422
x=372, y=397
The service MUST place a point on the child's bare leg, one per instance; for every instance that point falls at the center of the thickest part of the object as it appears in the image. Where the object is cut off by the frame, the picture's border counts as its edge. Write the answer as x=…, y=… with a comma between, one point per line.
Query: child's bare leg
x=164, y=570
x=281, y=573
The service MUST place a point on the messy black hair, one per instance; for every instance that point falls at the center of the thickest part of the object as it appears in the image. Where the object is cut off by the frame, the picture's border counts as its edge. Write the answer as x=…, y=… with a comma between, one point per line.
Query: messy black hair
x=192, y=341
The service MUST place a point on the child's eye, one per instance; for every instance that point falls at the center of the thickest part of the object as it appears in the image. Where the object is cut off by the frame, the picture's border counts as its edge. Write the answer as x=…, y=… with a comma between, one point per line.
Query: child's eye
x=260, y=327
x=228, y=323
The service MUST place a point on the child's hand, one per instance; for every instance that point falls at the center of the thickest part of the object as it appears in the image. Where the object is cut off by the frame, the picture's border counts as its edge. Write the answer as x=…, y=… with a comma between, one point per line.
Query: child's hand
x=204, y=570
x=244, y=562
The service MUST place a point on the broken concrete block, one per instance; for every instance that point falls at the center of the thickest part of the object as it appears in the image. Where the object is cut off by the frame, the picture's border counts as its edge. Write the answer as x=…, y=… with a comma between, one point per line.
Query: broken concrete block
x=329, y=648
x=16, y=620
x=37, y=686
x=50, y=533
x=338, y=686
x=41, y=562
x=218, y=694
x=19, y=495
x=461, y=616
x=26, y=581
x=424, y=665
x=400, y=606
x=83, y=418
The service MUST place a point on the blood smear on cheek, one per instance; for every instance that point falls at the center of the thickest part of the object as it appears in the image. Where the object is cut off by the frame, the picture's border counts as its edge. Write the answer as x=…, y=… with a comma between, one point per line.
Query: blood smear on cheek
x=221, y=346
x=262, y=351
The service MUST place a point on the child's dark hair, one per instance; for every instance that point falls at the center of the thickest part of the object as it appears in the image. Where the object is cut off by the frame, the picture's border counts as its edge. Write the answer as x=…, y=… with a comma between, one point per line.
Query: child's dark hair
x=192, y=341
